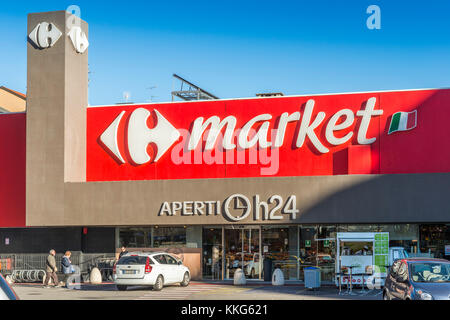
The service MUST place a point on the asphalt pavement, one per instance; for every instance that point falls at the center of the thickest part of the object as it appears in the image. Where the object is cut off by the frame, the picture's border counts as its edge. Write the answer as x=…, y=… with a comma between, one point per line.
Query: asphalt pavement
x=195, y=291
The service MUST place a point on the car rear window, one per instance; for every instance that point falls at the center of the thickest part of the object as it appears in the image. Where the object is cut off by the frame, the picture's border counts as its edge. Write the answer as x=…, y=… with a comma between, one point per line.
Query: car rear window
x=133, y=260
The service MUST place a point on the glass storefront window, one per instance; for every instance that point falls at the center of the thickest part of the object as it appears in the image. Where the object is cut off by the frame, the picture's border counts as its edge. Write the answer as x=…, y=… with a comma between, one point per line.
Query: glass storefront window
x=242, y=251
x=169, y=237
x=212, y=253
x=292, y=248
x=252, y=265
x=135, y=237
x=362, y=228
x=433, y=240
x=402, y=235
x=275, y=246
x=326, y=251
x=275, y=242
x=156, y=237
x=233, y=251
x=308, y=248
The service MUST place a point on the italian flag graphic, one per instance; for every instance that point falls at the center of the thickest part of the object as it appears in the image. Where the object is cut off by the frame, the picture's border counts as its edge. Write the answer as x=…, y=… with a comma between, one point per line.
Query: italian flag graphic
x=403, y=121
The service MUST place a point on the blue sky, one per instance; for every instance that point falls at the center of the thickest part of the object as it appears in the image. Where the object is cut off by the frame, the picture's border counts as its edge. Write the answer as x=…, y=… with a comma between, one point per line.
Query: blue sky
x=240, y=48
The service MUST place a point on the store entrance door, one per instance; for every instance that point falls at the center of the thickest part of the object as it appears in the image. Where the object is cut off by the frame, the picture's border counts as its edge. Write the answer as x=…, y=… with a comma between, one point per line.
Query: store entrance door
x=242, y=250
x=318, y=249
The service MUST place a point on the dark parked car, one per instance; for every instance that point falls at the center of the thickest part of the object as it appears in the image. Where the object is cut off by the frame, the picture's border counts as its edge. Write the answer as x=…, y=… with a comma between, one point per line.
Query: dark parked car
x=418, y=279
x=6, y=292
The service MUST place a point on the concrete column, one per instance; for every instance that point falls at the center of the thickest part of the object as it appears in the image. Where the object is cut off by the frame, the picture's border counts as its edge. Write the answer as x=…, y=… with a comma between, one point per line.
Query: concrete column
x=293, y=249
x=57, y=97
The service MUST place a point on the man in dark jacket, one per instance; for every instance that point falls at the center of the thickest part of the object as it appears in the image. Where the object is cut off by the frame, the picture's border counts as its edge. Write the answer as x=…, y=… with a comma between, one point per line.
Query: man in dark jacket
x=122, y=252
x=51, y=269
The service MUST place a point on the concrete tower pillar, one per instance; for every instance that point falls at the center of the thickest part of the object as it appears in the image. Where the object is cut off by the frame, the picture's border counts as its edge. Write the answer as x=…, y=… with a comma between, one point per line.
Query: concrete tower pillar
x=57, y=97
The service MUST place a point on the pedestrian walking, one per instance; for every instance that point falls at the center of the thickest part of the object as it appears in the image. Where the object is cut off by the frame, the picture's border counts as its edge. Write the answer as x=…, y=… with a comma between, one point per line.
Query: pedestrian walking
x=66, y=267
x=51, y=270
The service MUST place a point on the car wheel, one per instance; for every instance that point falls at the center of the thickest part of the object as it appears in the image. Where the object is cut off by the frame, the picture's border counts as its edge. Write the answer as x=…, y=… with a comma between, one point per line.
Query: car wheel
x=122, y=288
x=186, y=280
x=252, y=274
x=159, y=284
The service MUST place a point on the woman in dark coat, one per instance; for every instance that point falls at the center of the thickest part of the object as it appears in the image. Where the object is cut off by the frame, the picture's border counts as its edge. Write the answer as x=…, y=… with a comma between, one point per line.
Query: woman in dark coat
x=66, y=267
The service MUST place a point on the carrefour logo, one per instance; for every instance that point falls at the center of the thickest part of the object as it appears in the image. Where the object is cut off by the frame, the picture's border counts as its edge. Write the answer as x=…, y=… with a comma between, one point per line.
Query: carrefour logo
x=256, y=133
x=164, y=135
x=46, y=35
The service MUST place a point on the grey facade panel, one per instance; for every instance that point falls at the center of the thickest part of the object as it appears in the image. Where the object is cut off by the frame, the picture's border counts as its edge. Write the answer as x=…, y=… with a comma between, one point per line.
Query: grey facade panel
x=386, y=199
x=329, y=199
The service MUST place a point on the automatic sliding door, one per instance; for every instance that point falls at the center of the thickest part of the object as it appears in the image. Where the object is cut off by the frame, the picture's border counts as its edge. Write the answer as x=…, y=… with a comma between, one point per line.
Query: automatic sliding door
x=252, y=265
x=242, y=251
x=212, y=253
x=233, y=251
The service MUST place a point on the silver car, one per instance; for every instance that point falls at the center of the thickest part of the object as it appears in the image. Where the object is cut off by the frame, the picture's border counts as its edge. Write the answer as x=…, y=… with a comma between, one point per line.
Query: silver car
x=155, y=269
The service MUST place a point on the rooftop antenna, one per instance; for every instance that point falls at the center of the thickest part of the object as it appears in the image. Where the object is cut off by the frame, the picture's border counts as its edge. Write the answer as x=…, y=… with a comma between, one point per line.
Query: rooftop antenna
x=151, y=96
x=126, y=96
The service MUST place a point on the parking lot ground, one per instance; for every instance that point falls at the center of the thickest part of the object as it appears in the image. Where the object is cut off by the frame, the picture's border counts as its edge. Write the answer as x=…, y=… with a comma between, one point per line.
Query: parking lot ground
x=197, y=290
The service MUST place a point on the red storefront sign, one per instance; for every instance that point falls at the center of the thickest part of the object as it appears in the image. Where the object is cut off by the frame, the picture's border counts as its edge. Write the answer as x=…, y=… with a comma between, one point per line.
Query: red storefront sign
x=360, y=133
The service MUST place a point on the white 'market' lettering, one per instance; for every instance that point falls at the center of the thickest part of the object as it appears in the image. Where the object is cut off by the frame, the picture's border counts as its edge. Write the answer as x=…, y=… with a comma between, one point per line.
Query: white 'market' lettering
x=247, y=139
x=164, y=135
x=284, y=120
x=260, y=136
x=307, y=128
x=199, y=128
x=333, y=126
x=367, y=115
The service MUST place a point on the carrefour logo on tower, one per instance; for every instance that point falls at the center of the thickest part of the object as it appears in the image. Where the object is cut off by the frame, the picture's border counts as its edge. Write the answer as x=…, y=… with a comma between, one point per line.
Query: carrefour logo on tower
x=223, y=133
x=45, y=35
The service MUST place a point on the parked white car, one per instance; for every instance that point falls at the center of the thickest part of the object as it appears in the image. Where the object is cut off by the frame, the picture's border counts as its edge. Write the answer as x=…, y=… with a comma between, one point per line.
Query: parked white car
x=253, y=266
x=155, y=269
x=251, y=263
